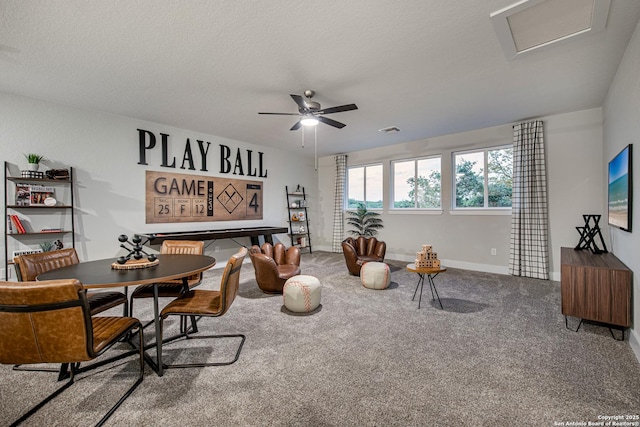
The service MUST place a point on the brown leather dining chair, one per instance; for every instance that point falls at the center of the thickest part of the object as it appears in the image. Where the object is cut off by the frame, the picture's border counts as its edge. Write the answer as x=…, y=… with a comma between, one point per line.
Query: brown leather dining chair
x=209, y=303
x=273, y=265
x=51, y=322
x=173, y=288
x=30, y=266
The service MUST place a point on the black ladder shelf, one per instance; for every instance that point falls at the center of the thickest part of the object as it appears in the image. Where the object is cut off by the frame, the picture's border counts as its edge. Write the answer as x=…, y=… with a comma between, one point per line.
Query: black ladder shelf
x=298, y=218
x=38, y=217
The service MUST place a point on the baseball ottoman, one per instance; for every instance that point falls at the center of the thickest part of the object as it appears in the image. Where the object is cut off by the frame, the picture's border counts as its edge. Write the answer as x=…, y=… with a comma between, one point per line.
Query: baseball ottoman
x=301, y=293
x=375, y=275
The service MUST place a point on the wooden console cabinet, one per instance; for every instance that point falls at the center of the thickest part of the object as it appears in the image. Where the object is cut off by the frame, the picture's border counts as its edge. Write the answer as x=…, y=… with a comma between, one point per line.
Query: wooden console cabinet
x=595, y=287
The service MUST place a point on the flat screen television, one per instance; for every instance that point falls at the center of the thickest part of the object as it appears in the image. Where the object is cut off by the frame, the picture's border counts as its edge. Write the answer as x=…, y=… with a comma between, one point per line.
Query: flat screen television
x=620, y=190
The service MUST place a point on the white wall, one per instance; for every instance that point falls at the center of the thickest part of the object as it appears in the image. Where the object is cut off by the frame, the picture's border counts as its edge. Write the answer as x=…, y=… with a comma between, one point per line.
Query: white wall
x=574, y=159
x=103, y=149
x=110, y=185
x=622, y=127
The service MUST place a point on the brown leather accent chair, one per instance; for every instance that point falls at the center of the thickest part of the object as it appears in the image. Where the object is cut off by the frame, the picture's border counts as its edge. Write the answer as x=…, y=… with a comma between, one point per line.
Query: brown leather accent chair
x=51, y=322
x=30, y=266
x=209, y=303
x=274, y=265
x=363, y=249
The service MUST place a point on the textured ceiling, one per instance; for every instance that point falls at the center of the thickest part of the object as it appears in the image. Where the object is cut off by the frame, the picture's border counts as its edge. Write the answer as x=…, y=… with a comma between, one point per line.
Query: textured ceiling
x=428, y=67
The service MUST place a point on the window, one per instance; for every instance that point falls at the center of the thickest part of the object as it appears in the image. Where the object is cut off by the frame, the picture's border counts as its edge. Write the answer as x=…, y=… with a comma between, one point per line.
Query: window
x=416, y=183
x=483, y=178
x=364, y=185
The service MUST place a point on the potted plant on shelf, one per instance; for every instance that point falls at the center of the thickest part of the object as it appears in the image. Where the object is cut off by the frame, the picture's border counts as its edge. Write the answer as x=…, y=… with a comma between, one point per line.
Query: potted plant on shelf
x=34, y=161
x=46, y=246
x=365, y=222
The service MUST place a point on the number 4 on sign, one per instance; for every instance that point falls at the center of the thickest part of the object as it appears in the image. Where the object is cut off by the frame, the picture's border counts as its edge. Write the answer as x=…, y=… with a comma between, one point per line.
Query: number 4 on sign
x=253, y=203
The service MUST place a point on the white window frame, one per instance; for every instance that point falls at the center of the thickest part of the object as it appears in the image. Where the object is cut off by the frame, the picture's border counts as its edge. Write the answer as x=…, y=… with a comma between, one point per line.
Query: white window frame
x=346, y=200
x=414, y=209
x=485, y=210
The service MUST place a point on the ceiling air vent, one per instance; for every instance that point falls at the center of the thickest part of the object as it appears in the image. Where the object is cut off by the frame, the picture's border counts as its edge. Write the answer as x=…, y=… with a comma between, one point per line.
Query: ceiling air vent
x=390, y=129
x=531, y=24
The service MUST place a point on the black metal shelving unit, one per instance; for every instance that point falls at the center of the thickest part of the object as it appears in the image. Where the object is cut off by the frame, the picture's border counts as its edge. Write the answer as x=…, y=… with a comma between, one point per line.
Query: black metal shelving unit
x=31, y=237
x=298, y=227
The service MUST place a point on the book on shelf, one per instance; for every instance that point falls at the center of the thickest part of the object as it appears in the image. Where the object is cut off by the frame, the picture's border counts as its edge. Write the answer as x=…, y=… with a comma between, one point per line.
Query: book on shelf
x=18, y=224
x=23, y=193
x=39, y=193
x=51, y=230
x=32, y=194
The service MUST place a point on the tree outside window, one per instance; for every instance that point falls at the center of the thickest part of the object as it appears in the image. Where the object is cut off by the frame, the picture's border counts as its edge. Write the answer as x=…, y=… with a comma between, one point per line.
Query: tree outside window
x=483, y=179
x=364, y=185
x=417, y=184
x=499, y=177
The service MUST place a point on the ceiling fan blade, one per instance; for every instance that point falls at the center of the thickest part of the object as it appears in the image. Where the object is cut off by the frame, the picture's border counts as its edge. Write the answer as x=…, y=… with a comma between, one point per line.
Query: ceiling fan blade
x=338, y=109
x=282, y=114
x=296, y=126
x=331, y=122
x=298, y=99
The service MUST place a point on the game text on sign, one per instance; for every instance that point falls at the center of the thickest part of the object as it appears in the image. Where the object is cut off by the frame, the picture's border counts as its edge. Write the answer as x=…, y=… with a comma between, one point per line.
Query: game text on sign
x=174, y=197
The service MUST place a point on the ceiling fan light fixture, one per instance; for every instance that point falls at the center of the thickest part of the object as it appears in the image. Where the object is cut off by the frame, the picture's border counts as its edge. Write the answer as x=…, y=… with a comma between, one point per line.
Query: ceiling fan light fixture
x=309, y=121
x=311, y=113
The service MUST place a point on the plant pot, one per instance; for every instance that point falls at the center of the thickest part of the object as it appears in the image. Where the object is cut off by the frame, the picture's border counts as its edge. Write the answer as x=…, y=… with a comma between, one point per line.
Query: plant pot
x=34, y=166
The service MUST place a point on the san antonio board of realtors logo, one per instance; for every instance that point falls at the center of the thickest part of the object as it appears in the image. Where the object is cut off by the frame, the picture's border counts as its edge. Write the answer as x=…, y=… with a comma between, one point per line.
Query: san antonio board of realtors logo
x=230, y=198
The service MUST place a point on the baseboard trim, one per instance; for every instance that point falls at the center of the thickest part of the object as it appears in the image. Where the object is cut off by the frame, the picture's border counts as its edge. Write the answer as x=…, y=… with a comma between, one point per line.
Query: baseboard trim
x=463, y=265
x=634, y=342
x=485, y=268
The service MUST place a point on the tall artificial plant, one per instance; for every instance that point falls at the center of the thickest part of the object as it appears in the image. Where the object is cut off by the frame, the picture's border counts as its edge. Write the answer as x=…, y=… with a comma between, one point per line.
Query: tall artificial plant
x=365, y=222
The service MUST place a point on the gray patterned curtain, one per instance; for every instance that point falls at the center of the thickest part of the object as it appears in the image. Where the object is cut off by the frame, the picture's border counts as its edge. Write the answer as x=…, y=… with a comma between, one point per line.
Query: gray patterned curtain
x=338, y=223
x=529, y=254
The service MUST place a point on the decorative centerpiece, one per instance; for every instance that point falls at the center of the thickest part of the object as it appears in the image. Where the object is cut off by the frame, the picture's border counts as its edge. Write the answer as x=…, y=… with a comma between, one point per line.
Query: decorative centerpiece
x=588, y=234
x=134, y=259
x=426, y=258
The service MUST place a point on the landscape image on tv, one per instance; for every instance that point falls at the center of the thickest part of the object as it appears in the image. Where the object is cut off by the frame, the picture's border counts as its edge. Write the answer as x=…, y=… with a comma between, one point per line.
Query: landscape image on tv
x=619, y=191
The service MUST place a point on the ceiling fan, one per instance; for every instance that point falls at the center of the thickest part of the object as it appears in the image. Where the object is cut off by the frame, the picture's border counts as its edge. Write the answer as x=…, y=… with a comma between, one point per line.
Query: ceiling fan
x=311, y=113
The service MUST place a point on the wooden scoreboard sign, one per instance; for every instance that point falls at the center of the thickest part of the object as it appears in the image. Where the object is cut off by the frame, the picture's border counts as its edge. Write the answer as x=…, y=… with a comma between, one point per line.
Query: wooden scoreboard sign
x=174, y=197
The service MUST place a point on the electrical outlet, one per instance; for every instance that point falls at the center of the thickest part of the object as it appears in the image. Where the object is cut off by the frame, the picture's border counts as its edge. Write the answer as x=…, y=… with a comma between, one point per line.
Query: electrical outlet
x=493, y=251
x=216, y=249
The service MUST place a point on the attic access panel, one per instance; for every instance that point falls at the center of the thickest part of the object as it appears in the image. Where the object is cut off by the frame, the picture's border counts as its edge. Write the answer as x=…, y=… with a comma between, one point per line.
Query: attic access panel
x=533, y=24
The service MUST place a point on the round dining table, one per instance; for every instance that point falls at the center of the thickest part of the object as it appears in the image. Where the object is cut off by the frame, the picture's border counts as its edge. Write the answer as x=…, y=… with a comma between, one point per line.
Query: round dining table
x=100, y=274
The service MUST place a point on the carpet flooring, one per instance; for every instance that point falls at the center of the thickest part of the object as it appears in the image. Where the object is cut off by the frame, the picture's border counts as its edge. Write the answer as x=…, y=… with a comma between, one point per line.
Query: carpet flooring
x=498, y=354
